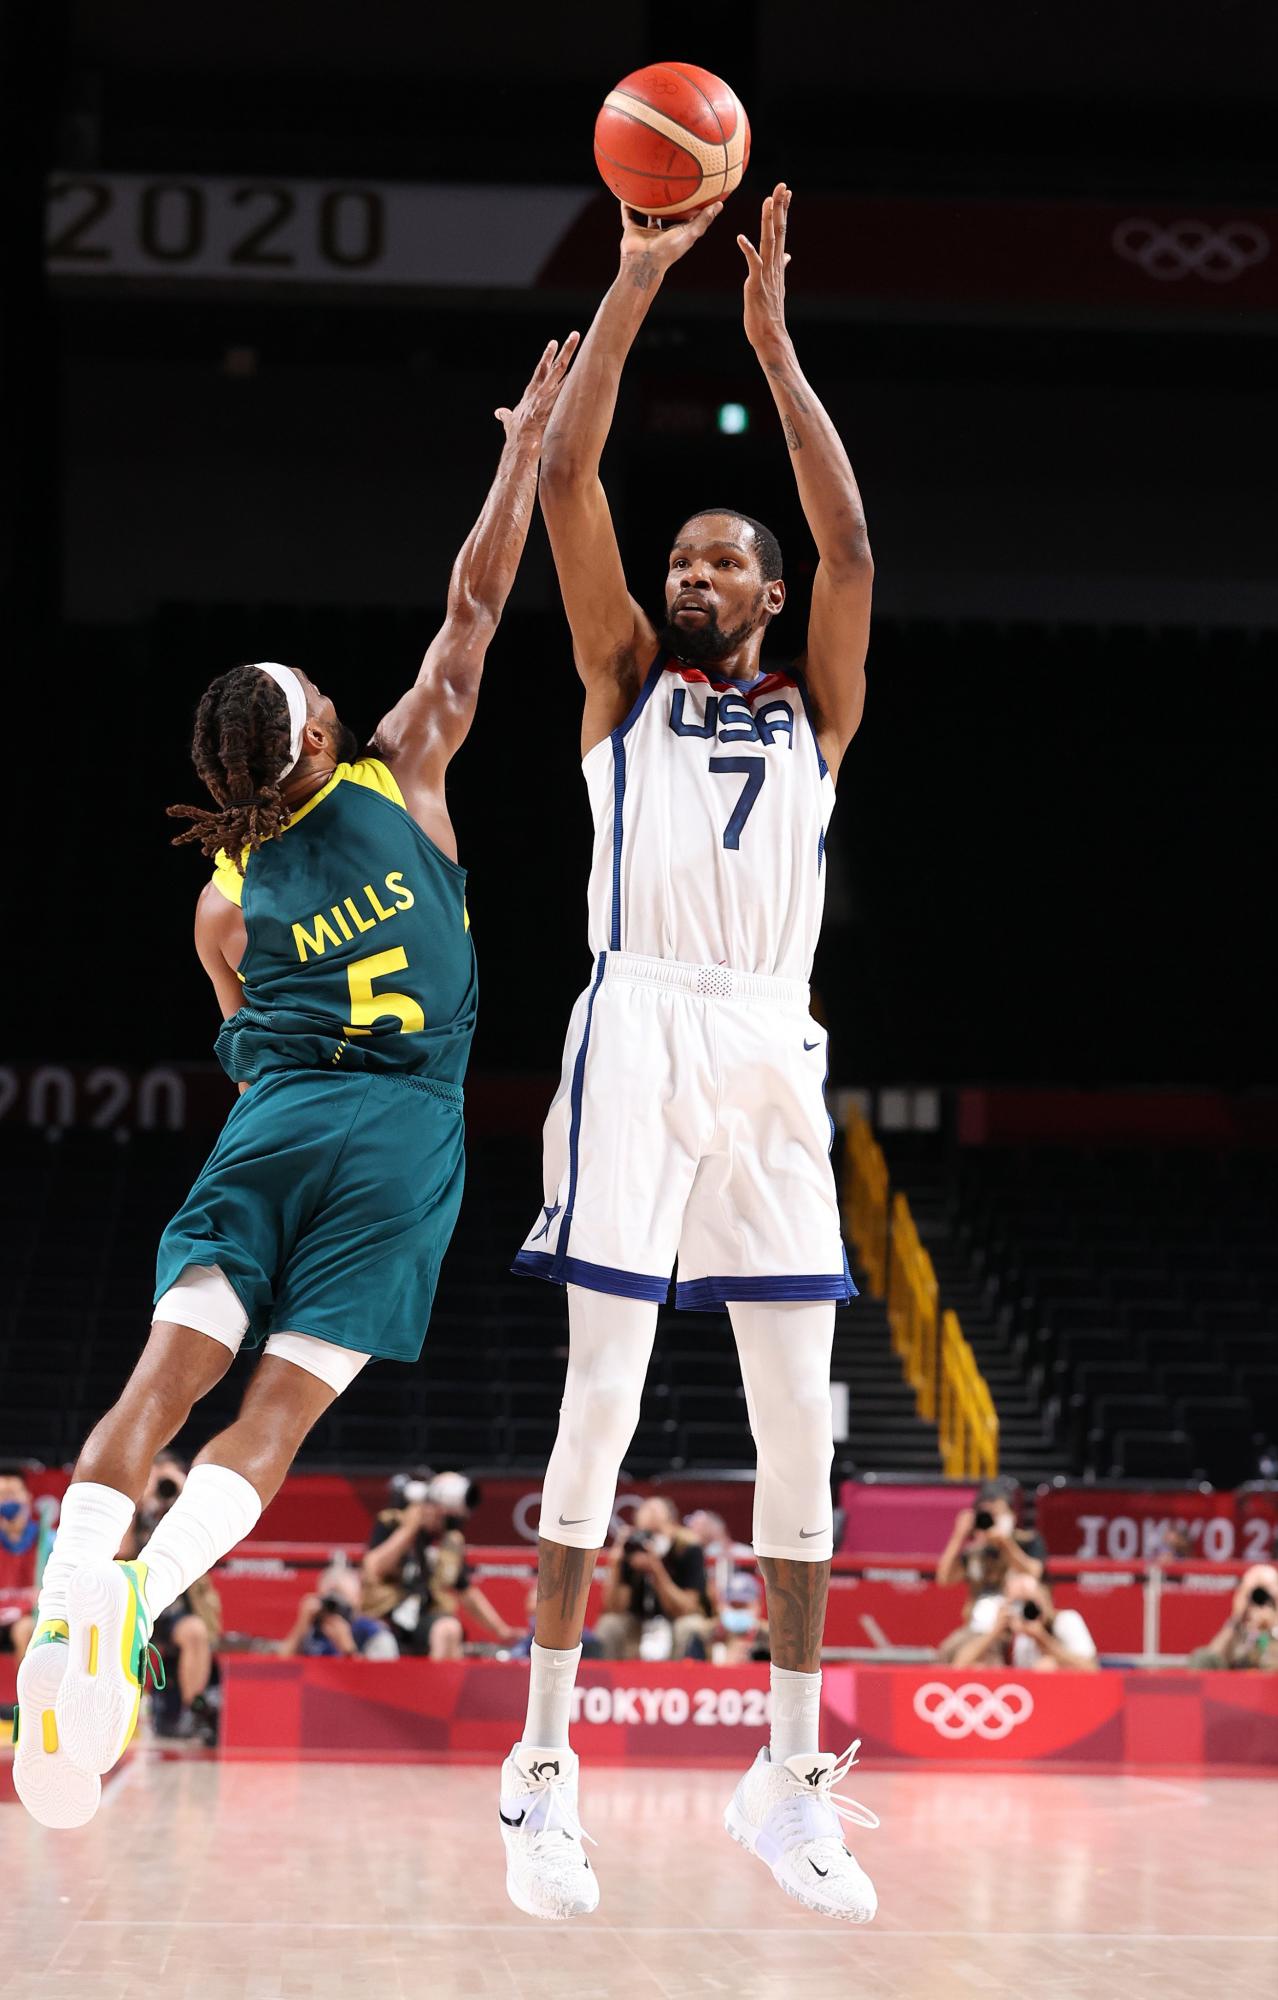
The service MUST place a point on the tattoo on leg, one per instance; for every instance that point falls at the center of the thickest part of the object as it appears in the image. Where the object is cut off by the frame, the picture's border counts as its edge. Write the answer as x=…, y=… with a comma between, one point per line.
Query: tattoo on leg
x=563, y=1580
x=797, y=1593
x=792, y=437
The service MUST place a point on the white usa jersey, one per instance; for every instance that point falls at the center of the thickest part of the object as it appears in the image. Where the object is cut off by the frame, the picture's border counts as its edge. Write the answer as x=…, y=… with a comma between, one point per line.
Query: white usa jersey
x=711, y=803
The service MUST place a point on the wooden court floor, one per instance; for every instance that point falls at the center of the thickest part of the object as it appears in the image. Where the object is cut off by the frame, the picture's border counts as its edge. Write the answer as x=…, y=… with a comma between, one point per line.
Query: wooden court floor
x=201, y=1881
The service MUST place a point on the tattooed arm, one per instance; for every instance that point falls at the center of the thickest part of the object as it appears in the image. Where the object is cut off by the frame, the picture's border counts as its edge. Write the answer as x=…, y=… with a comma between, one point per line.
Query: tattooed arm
x=612, y=637
x=839, y=625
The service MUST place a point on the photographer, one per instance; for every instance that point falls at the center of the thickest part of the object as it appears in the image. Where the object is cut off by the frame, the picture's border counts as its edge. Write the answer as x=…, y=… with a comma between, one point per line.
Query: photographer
x=655, y=1599
x=1023, y=1629
x=415, y=1570
x=187, y=1634
x=329, y=1622
x=1249, y=1638
x=987, y=1545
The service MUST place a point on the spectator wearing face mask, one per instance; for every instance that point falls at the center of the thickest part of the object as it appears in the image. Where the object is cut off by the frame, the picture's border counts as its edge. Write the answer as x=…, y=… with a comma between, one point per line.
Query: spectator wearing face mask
x=1023, y=1629
x=655, y=1600
x=1249, y=1637
x=741, y=1630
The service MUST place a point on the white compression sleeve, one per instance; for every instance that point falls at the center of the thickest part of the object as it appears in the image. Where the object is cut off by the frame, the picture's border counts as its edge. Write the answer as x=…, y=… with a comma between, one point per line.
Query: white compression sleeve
x=215, y=1510
x=785, y=1367
x=609, y=1347
x=93, y=1522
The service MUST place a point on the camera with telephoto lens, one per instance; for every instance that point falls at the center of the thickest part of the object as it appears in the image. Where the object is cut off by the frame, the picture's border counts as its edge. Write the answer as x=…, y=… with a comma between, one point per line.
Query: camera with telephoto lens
x=1260, y=1595
x=332, y=1606
x=167, y=1489
x=1029, y=1609
x=984, y=1519
x=637, y=1543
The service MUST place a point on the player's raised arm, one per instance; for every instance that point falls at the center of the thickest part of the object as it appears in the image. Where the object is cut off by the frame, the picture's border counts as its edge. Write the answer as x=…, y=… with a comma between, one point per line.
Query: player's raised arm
x=612, y=636
x=427, y=727
x=839, y=626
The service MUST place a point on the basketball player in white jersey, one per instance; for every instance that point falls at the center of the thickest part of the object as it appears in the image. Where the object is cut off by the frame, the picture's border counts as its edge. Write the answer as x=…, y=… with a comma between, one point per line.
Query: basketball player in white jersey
x=690, y=1120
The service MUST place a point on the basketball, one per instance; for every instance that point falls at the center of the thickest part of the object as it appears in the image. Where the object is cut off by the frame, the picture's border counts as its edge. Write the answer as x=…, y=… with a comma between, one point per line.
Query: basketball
x=672, y=138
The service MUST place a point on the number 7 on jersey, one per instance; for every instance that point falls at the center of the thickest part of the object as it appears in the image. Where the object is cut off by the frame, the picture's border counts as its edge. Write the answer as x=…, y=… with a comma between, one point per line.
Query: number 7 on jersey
x=754, y=771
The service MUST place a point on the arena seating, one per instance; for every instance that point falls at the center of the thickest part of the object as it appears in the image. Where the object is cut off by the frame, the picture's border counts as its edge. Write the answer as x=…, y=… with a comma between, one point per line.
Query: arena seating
x=1126, y=1296
x=1116, y=1302
x=81, y=1215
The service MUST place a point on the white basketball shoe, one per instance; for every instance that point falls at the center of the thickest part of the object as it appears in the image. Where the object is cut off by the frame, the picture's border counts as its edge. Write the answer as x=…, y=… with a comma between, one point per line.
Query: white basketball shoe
x=547, y=1873
x=53, y=1789
x=788, y=1814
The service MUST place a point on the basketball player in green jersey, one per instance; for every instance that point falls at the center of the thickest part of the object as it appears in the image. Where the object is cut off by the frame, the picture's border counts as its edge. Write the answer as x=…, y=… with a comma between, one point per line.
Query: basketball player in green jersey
x=336, y=937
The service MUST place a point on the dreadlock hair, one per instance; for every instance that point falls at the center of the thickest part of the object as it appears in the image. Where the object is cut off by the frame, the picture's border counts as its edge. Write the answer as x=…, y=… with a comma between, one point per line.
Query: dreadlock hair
x=765, y=541
x=240, y=746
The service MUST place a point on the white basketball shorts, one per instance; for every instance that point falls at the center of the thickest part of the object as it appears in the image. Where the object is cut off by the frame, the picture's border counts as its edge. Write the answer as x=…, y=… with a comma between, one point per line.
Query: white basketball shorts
x=690, y=1122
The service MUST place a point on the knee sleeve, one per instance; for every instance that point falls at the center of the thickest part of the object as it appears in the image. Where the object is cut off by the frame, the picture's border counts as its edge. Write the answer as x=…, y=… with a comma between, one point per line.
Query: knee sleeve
x=785, y=1367
x=203, y=1298
x=338, y=1366
x=609, y=1347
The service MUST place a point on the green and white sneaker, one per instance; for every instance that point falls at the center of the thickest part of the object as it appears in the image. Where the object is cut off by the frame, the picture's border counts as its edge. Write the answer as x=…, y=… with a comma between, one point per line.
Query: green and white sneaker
x=110, y=1656
x=53, y=1789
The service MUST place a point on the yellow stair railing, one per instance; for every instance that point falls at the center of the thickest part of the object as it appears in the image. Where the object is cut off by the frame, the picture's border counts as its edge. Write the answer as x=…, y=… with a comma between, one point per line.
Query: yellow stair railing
x=936, y=1358
x=968, y=1427
x=865, y=1203
x=913, y=1308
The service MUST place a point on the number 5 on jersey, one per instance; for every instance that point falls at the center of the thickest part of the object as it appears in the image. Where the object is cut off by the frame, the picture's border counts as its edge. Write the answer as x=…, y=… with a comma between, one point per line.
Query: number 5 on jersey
x=368, y=1007
x=754, y=771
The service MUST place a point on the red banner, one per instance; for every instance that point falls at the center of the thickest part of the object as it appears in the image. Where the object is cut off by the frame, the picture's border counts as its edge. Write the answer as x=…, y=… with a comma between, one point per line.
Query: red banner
x=332, y=1508
x=1116, y=1524
x=629, y=1712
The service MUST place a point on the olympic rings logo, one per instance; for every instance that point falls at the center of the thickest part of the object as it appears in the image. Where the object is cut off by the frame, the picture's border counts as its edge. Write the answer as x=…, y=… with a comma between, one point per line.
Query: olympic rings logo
x=973, y=1710
x=1191, y=249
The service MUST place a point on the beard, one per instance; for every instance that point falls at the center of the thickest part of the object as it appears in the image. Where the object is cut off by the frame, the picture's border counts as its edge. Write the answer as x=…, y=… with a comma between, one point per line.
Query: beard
x=705, y=642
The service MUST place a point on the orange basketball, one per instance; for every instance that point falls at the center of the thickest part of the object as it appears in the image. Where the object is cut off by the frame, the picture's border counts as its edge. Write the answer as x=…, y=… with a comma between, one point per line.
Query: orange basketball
x=671, y=138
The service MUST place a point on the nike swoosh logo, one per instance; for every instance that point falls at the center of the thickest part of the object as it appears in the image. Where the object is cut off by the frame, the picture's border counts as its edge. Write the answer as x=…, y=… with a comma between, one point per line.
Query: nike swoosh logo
x=809, y=1534
x=815, y=1870
x=809, y=1046
x=512, y=1822
x=580, y=1522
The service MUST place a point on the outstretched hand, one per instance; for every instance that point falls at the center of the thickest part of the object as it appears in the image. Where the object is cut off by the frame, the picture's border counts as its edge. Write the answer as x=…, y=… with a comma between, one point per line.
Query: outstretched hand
x=532, y=412
x=765, y=272
x=648, y=249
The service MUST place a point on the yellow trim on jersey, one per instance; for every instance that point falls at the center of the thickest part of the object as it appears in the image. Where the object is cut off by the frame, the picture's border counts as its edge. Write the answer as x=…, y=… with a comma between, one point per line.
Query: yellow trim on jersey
x=367, y=771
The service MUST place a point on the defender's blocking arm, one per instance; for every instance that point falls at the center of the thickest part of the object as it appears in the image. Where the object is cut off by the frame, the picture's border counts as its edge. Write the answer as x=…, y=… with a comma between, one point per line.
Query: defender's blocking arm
x=839, y=624
x=426, y=728
x=611, y=634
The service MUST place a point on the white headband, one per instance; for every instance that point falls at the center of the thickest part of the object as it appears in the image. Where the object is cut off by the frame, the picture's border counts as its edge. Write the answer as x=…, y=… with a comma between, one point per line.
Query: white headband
x=286, y=680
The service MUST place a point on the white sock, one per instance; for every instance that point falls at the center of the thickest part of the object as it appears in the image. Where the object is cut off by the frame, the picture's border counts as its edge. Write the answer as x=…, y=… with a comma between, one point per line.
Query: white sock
x=796, y=1714
x=215, y=1510
x=550, y=1684
x=93, y=1522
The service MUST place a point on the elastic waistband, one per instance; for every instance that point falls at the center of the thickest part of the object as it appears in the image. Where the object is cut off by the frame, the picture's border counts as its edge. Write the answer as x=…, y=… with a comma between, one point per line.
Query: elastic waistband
x=708, y=982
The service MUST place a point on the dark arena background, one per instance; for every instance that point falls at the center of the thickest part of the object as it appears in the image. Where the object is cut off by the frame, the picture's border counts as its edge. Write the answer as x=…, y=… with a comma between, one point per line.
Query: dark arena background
x=268, y=271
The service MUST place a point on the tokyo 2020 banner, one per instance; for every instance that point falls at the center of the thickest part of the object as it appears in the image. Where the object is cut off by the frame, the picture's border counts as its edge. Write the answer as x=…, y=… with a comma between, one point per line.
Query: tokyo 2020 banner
x=632, y=1712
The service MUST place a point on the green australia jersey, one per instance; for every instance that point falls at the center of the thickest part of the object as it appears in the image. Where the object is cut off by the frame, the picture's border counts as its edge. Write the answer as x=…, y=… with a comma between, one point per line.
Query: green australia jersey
x=359, y=954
